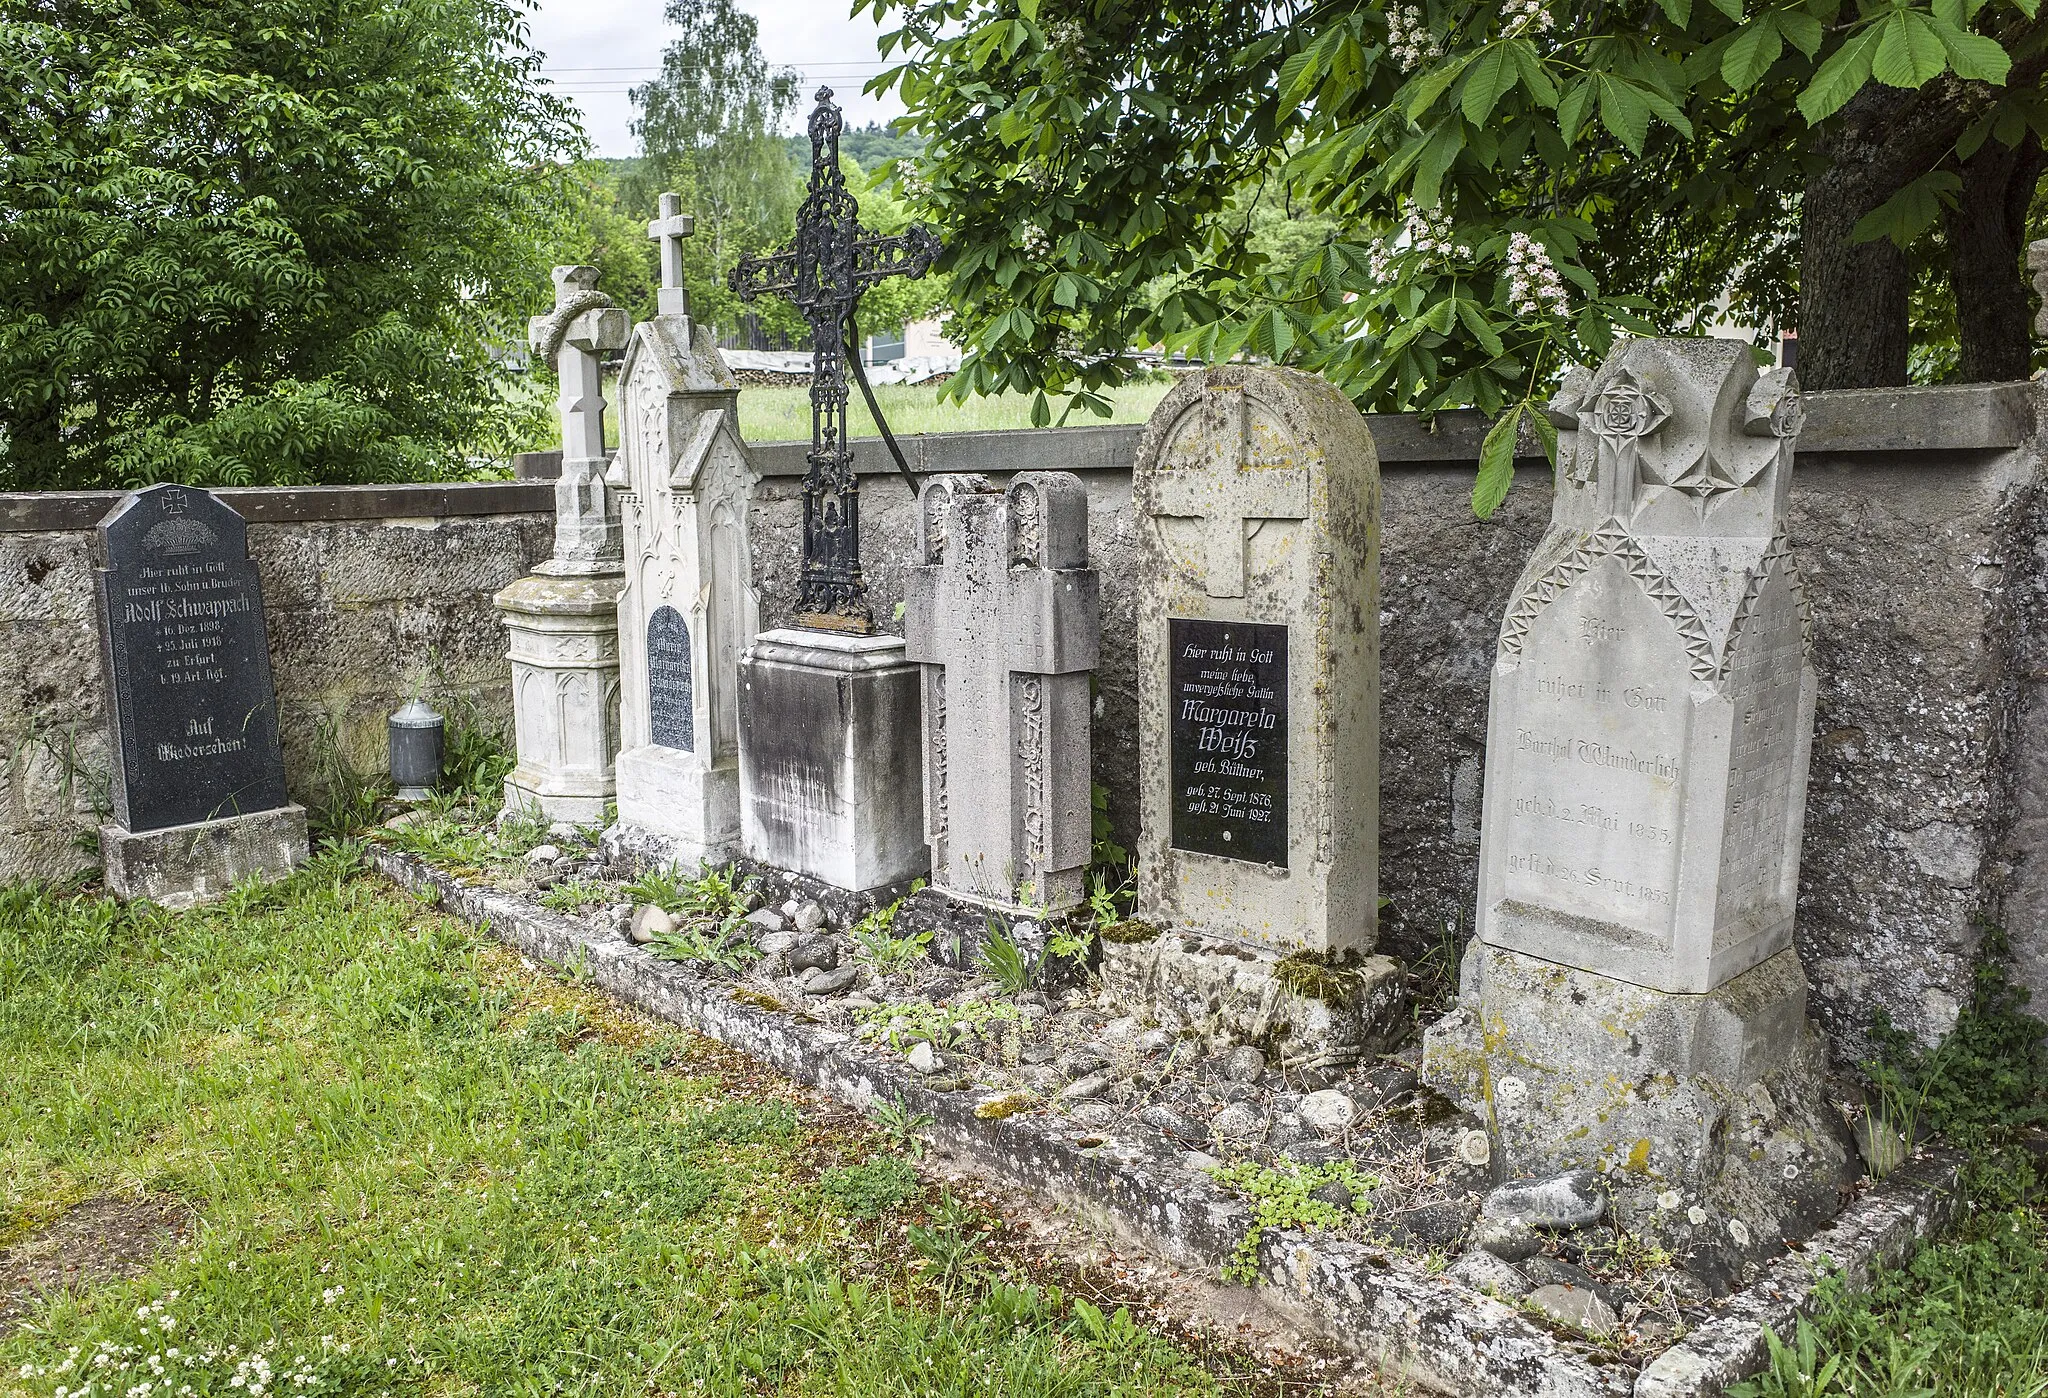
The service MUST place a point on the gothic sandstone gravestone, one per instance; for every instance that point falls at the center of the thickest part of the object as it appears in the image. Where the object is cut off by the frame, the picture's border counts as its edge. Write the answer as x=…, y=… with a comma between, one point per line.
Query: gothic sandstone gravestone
x=1631, y=999
x=198, y=780
x=1257, y=495
x=1004, y=616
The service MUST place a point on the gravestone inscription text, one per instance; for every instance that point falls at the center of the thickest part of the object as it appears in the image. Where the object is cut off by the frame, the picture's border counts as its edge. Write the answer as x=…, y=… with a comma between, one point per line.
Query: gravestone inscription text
x=1227, y=696
x=671, y=691
x=187, y=658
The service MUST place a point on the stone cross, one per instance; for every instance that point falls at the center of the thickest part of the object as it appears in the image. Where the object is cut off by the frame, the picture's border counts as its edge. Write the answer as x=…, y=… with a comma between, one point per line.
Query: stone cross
x=669, y=230
x=1004, y=617
x=574, y=336
x=1257, y=493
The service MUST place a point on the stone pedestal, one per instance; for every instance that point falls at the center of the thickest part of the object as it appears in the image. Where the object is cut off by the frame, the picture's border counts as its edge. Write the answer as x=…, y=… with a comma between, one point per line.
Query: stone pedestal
x=1003, y=616
x=830, y=779
x=181, y=866
x=564, y=633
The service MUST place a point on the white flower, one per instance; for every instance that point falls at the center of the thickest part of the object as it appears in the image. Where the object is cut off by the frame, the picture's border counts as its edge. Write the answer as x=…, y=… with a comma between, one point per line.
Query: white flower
x=1034, y=241
x=1409, y=39
x=1518, y=15
x=1534, y=287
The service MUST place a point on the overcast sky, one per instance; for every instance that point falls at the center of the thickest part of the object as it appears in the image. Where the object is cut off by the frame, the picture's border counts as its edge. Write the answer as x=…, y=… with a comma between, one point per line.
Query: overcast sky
x=597, y=49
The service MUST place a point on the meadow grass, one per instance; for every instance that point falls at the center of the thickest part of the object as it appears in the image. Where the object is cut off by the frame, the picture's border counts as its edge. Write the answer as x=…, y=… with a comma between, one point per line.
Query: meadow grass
x=417, y=1165
x=783, y=414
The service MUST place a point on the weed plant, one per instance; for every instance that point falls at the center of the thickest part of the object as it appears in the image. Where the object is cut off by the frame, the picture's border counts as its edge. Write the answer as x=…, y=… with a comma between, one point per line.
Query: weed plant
x=416, y=1166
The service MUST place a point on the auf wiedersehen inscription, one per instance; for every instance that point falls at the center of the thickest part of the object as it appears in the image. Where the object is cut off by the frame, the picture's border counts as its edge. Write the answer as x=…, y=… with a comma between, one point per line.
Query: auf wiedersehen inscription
x=187, y=659
x=671, y=691
x=1228, y=720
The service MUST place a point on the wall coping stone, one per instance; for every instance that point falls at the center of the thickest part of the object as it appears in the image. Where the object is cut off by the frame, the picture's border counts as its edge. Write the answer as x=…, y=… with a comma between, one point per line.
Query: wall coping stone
x=53, y=511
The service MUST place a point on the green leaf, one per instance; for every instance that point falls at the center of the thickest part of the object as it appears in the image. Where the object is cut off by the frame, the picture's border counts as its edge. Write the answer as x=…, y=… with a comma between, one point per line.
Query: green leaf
x=1489, y=77
x=1910, y=212
x=1973, y=56
x=1066, y=291
x=1730, y=8
x=1028, y=9
x=1497, y=463
x=1571, y=110
x=1909, y=52
x=1679, y=12
x=1755, y=49
x=1437, y=156
x=1801, y=30
x=1469, y=313
x=1839, y=79
x=1541, y=89
x=1624, y=112
x=1429, y=84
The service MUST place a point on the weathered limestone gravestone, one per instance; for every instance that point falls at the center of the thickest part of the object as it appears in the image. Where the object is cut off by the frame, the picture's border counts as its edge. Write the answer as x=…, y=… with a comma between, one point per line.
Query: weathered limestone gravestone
x=198, y=780
x=1004, y=616
x=563, y=619
x=689, y=605
x=1257, y=495
x=1631, y=1000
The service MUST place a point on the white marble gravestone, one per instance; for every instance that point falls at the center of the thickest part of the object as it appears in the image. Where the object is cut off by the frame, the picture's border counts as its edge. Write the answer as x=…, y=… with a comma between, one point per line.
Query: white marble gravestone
x=1004, y=616
x=689, y=607
x=1631, y=999
x=562, y=620
x=1257, y=496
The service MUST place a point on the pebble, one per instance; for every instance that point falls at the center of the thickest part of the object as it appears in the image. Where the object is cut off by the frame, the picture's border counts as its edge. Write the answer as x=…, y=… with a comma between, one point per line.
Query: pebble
x=1117, y=1030
x=1080, y=1062
x=809, y=918
x=562, y=830
x=1172, y=1123
x=858, y=1002
x=1883, y=1149
x=777, y=943
x=1093, y=1115
x=1576, y=1307
x=405, y=818
x=1328, y=1111
x=1040, y=1079
x=1084, y=1089
x=1199, y=1160
x=648, y=923
x=832, y=982
x=1569, y=1200
x=1482, y=1271
x=1245, y=1064
x=1155, y=1041
x=1544, y=1270
x=789, y=908
x=1239, y=1122
x=766, y=918
x=923, y=1059
x=1336, y=1194
x=1509, y=1239
x=820, y=954
x=543, y=854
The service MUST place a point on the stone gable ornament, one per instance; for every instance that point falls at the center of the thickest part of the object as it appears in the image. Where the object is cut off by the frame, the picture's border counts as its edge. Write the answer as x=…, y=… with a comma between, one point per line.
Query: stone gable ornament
x=1651, y=714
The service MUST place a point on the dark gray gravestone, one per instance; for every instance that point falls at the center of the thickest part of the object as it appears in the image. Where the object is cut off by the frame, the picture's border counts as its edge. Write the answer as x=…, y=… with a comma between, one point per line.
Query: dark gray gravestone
x=671, y=691
x=1227, y=716
x=187, y=662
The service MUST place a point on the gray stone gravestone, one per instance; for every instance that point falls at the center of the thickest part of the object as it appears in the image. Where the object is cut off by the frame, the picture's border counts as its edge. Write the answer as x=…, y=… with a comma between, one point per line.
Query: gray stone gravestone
x=1003, y=615
x=1632, y=1001
x=1257, y=495
x=198, y=780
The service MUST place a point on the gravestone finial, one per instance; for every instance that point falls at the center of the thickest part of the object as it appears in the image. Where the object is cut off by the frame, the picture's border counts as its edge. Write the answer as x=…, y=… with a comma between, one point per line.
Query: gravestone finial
x=574, y=336
x=669, y=230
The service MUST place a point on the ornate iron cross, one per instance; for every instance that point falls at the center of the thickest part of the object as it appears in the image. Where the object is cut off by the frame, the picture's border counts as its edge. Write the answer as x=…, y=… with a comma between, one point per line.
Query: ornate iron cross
x=823, y=274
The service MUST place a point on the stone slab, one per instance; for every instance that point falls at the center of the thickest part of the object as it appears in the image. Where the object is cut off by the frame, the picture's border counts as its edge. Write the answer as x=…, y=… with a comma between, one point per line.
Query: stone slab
x=182, y=866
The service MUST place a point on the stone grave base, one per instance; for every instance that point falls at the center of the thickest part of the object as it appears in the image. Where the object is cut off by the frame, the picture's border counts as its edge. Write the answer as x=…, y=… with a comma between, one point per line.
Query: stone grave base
x=185, y=865
x=563, y=626
x=1371, y=1296
x=1706, y=1115
x=1305, y=1014
x=674, y=812
x=831, y=775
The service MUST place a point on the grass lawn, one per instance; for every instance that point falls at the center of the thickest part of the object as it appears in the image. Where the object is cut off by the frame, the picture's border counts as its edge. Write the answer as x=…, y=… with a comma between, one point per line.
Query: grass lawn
x=784, y=414
x=391, y=1157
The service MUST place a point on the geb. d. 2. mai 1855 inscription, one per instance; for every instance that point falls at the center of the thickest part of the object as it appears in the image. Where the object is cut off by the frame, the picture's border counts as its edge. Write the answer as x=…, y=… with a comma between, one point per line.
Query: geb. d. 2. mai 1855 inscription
x=1227, y=691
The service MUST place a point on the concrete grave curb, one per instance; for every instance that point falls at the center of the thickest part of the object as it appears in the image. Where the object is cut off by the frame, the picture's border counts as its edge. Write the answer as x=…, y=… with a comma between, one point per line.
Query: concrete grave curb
x=1428, y=1327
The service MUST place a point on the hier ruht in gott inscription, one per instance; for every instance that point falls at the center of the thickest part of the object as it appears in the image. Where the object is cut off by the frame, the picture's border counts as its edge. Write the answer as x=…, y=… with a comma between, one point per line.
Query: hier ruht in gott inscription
x=1228, y=690
x=187, y=660
x=671, y=695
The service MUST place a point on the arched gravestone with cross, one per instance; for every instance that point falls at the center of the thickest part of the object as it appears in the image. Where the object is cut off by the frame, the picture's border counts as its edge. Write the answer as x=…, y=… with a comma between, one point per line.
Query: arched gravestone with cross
x=1257, y=495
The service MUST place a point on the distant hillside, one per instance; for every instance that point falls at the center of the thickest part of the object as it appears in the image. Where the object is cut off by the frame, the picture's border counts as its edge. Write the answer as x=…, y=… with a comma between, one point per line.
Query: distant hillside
x=869, y=146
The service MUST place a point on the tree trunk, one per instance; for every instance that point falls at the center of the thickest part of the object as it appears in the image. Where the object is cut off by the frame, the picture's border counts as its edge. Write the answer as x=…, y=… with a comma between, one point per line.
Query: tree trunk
x=1987, y=233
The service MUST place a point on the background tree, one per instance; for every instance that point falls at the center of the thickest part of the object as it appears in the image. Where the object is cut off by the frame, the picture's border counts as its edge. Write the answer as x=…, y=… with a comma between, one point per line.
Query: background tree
x=264, y=241
x=711, y=130
x=1509, y=182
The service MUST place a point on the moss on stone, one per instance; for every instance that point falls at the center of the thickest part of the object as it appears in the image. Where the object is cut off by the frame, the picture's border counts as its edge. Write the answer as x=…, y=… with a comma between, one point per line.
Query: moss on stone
x=1316, y=977
x=1129, y=932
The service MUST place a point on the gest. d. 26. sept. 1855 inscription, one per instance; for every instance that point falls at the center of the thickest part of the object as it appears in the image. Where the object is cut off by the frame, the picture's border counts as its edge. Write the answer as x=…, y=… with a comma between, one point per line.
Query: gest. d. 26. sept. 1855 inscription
x=1227, y=689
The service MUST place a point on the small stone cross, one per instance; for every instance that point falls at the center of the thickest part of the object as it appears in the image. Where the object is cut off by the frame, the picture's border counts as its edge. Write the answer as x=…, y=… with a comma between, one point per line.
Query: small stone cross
x=669, y=230
x=573, y=337
x=1229, y=490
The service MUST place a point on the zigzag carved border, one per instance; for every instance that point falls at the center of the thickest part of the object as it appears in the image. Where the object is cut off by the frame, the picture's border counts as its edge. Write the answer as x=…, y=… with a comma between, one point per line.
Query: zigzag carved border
x=1610, y=540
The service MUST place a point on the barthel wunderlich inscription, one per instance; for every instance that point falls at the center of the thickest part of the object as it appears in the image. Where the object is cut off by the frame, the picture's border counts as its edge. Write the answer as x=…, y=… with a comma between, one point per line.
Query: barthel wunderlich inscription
x=187, y=659
x=671, y=691
x=1228, y=691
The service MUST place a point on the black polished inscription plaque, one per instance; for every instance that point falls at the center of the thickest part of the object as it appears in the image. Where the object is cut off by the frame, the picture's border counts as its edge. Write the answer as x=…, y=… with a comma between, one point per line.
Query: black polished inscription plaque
x=187, y=659
x=1227, y=721
x=671, y=692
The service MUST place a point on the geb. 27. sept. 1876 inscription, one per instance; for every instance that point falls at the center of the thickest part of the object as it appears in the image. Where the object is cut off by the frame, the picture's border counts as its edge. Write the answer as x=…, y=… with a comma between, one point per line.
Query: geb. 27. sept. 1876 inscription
x=1227, y=691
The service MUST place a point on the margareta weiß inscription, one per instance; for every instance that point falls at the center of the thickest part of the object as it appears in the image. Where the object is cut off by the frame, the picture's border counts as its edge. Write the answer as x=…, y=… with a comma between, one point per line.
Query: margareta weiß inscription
x=1229, y=738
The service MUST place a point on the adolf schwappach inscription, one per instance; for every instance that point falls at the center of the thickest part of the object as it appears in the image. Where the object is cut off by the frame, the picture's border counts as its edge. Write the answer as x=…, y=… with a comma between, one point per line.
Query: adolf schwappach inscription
x=1229, y=737
x=188, y=662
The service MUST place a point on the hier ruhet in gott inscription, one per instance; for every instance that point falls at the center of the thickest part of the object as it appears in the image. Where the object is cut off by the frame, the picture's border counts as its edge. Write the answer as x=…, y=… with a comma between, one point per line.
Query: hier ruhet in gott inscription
x=187, y=660
x=1228, y=719
x=671, y=693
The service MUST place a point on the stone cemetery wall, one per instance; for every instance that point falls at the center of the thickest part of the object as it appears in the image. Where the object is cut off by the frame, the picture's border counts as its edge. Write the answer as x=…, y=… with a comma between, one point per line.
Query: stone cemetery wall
x=1922, y=537
x=370, y=591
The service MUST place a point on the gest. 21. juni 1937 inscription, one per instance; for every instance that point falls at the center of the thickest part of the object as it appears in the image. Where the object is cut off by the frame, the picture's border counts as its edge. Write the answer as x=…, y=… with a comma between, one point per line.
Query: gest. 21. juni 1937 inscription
x=1227, y=689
